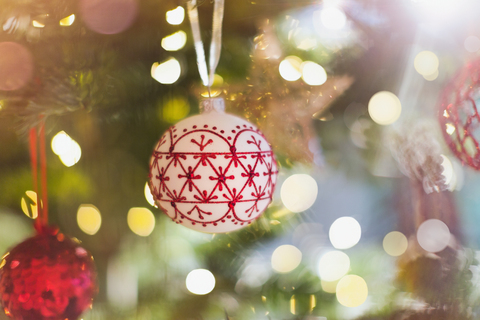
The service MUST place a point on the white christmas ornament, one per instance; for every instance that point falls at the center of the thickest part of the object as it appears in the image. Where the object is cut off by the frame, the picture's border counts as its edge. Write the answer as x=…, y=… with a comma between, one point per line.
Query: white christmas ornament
x=213, y=172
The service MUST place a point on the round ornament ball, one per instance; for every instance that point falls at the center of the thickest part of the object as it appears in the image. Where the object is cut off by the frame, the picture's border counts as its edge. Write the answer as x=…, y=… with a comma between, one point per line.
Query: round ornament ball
x=213, y=172
x=458, y=115
x=47, y=277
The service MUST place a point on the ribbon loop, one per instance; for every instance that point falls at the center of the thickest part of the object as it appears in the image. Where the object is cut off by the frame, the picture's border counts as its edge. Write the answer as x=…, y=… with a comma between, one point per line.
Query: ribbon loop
x=207, y=74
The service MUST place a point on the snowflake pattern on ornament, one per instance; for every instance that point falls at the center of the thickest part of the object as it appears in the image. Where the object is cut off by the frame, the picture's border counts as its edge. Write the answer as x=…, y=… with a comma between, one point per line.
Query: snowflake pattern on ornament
x=213, y=172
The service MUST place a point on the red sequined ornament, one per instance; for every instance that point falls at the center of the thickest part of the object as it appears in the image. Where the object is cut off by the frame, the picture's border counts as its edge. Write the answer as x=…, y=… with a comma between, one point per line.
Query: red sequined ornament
x=459, y=117
x=213, y=172
x=47, y=277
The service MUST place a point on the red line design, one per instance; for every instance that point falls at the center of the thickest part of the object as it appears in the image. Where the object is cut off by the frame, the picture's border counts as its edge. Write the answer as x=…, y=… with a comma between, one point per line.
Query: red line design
x=253, y=182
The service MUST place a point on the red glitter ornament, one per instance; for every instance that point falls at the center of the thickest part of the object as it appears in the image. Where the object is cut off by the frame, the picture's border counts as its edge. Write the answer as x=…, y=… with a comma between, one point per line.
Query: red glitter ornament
x=459, y=117
x=47, y=277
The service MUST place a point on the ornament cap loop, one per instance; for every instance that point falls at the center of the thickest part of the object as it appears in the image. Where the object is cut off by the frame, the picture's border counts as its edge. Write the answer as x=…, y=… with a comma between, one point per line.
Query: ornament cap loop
x=208, y=105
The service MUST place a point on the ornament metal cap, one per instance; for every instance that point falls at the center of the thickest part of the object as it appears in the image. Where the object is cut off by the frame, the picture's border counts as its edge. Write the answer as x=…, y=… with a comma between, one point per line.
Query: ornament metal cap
x=211, y=104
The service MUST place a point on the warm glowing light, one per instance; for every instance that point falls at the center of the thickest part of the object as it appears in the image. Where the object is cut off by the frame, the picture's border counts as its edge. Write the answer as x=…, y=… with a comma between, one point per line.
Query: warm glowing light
x=141, y=221
x=37, y=24
x=292, y=305
x=71, y=158
x=216, y=88
x=313, y=74
x=450, y=128
x=29, y=204
x=345, y=232
x=432, y=76
x=167, y=72
x=175, y=41
x=149, y=196
x=395, y=243
x=89, y=219
x=472, y=44
x=352, y=291
x=290, y=68
x=329, y=286
x=67, y=21
x=333, y=265
x=426, y=63
x=175, y=16
x=333, y=18
x=61, y=143
x=200, y=281
x=433, y=235
x=286, y=258
x=66, y=148
x=175, y=109
x=299, y=192
x=384, y=108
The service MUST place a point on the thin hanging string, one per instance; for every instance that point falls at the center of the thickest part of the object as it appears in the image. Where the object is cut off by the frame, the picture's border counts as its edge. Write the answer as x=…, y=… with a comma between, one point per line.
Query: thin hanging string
x=43, y=173
x=38, y=146
x=207, y=74
x=34, y=164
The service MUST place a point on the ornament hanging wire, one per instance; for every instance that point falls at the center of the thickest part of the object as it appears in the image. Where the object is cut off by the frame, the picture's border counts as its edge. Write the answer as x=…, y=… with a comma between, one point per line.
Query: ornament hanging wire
x=207, y=73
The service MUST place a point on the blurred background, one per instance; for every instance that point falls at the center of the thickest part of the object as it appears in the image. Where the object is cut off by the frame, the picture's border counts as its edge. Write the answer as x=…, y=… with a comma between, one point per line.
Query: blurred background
x=373, y=216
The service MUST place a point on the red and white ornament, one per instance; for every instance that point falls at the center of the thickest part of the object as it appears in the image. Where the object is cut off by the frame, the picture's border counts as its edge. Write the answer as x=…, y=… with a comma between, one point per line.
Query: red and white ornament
x=459, y=115
x=47, y=277
x=213, y=172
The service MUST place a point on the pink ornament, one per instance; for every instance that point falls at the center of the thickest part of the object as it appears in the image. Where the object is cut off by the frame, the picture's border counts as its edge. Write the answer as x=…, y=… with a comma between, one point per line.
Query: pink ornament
x=213, y=172
x=459, y=116
x=47, y=277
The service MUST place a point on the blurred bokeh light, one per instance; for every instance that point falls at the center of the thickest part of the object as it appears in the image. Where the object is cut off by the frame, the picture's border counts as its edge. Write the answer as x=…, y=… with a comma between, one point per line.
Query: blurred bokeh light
x=175, y=109
x=67, y=149
x=67, y=21
x=329, y=286
x=290, y=68
x=395, y=243
x=299, y=192
x=472, y=44
x=16, y=66
x=431, y=77
x=333, y=18
x=286, y=258
x=345, y=232
x=148, y=195
x=333, y=265
x=108, y=16
x=200, y=281
x=166, y=72
x=433, y=235
x=89, y=219
x=175, y=16
x=426, y=63
x=175, y=41
x=141, y=221
x=29, y=204
x=37, y=24
x=313, y=74
x=384, y=108
x=352, y=291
